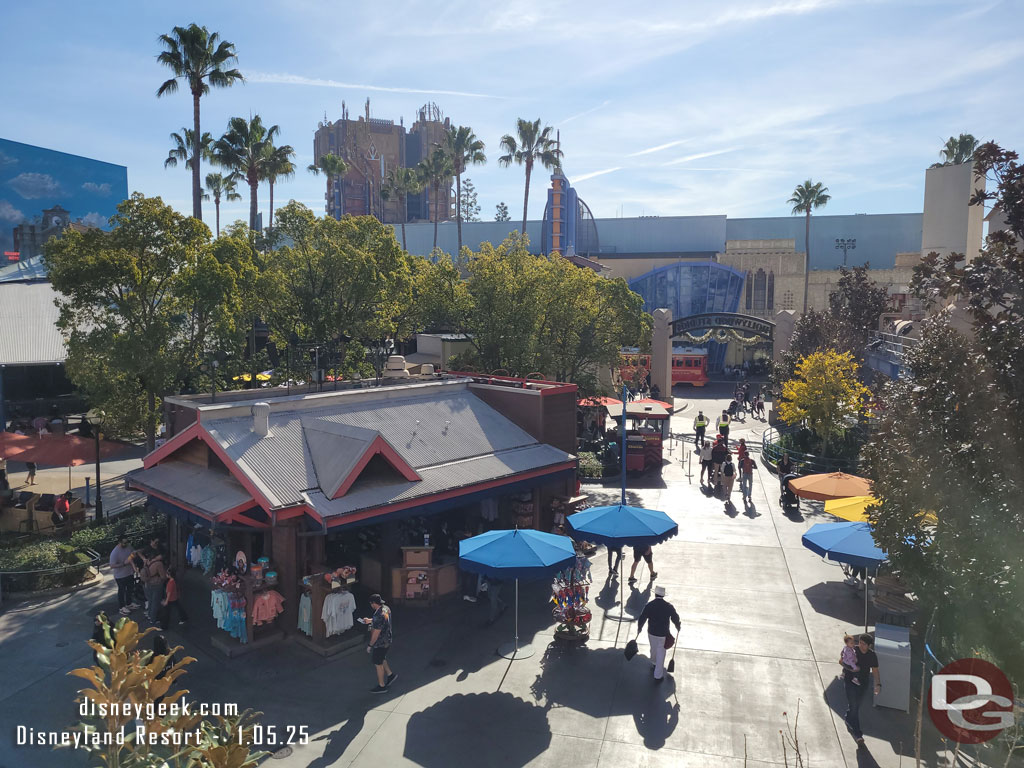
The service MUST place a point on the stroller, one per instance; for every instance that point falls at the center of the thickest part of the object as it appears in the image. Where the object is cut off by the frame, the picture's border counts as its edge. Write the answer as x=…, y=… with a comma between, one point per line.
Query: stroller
x=733, y=407
x=788, y=499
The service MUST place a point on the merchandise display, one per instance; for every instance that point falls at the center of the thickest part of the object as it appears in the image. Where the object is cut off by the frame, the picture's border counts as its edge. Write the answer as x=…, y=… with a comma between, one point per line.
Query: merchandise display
x=570, y=594
x=266, y=606
x=339, y=606
x=306, y=614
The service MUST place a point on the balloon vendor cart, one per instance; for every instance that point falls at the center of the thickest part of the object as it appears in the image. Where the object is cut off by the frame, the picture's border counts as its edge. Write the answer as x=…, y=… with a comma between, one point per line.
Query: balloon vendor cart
x=570, y=594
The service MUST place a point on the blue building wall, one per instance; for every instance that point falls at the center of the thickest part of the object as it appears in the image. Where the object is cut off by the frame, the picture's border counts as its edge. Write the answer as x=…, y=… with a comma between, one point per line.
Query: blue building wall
x=879, y=236
x=692, y=288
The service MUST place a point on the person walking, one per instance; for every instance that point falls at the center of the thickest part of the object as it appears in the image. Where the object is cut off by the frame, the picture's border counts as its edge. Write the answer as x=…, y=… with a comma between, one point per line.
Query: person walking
x=659, y=612
x=154, y=574
x=747, y=467
x=723, y=425
x=728, y=477
x=706, y=463
x=647, y=554
x=498, y=605
x=784, y=467
x=700, y=426
x=172, y=600
x=31, y=467
x=124, y=575
x=719, y=453
x=380, y=643
x=614, y=553
x=856, y=683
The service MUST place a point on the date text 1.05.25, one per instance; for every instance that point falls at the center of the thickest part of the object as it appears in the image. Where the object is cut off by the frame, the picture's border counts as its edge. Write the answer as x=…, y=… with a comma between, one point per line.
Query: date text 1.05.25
x=274, y=736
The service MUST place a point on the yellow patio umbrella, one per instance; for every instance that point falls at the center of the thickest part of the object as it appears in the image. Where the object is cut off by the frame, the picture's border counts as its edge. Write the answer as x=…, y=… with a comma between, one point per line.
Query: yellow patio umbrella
x=248, y=377
x=852, y=508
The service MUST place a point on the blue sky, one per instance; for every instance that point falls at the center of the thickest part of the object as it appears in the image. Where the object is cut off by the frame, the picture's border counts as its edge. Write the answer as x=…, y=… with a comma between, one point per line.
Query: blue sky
x=665, y=108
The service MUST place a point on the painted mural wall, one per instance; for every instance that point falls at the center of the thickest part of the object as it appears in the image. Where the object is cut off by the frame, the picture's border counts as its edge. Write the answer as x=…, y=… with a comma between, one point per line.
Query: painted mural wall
x=42, y=192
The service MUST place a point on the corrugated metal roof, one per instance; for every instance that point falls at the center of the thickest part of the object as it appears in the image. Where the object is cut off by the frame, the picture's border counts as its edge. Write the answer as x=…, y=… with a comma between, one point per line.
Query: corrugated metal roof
x=200, y=488
x=426, y=430
x=28, y=325
x=26, y=270
x=458, y=474
x=335, y=449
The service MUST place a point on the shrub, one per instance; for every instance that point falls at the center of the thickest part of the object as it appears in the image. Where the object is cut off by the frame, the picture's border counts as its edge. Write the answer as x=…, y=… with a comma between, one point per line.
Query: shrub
x=590, y=465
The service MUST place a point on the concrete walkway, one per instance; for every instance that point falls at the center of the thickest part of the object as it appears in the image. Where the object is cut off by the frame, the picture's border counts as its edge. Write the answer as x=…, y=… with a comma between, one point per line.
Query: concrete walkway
x=763, y=620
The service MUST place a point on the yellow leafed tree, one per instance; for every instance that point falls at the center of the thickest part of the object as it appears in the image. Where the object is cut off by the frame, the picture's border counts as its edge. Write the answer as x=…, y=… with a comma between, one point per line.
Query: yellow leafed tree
x=824, y=394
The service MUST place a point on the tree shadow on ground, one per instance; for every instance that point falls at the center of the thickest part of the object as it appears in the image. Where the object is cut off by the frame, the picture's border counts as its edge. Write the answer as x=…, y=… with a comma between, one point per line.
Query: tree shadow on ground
x=458, y=727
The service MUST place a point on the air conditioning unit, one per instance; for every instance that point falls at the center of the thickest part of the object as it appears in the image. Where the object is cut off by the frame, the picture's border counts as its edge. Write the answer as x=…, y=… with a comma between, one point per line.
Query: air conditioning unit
x=394, y=368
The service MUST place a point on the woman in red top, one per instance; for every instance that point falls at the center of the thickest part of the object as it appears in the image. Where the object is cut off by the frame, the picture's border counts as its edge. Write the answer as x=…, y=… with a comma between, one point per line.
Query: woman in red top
x=171, y=600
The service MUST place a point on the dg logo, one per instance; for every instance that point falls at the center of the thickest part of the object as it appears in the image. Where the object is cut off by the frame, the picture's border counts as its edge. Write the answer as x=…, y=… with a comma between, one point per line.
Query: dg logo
x=971, y=701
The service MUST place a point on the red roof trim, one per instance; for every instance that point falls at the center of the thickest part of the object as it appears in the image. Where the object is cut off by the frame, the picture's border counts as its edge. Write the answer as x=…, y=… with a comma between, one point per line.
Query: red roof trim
x=442, y=495
x=382, y=447
x=236, y=473
x=154, y=457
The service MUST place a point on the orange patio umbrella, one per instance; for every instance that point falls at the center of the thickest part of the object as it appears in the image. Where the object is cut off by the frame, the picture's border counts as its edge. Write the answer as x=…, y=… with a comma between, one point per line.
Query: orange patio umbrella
x=65, y=451
x=12, y=444
x=652, y=401
x=598, y=402
x=833, y=485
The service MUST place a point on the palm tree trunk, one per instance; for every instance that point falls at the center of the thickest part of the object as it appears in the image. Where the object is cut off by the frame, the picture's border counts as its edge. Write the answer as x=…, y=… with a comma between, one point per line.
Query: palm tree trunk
x=216, y=205
x=807, y=257
x=458, y=206
x=436, y=185
x=526, y=195
x=271, y=220
x=197, y=198
x=253, y=191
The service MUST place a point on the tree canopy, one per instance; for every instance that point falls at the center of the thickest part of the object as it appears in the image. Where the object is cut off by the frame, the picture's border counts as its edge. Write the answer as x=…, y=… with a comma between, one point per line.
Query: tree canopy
x=143, y=305
x=951, y=439
x=825, y=394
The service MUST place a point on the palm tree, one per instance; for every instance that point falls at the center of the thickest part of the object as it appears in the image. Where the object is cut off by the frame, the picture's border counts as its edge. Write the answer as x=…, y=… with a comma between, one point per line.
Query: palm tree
x=221, y=188
x=184, y=146
x=243, y=149
x=279, y=166
x=957, y=150
x=330, y=166
x=534, y=145
x=200, y=59
x=436, y=169
x=399, y=184
x=806, y=197
x=466, y=150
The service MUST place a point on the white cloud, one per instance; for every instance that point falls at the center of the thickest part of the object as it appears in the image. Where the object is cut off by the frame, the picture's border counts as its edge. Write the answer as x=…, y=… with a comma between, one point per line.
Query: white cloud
x=34, y=185
x=700, y=155
x=584, y=113
x=658, y=148
x=97, y=189
x=6, y=159
x=594, y=174
x=286, y=79
x=95, y=219
x=10, y=214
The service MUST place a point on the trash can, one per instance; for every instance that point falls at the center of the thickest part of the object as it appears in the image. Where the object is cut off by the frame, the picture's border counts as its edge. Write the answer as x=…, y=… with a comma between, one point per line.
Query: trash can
x=892, y=646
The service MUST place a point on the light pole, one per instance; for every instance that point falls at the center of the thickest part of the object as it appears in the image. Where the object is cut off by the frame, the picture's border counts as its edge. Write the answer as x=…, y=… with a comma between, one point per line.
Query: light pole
x=846, y=244
x=95, y=419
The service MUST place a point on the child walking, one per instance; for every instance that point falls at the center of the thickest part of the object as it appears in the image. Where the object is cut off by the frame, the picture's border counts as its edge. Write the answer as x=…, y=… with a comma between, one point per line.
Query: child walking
x=172, y=600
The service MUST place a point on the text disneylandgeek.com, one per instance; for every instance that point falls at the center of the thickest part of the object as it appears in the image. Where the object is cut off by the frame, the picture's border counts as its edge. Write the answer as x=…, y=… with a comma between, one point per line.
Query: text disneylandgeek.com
x=259, y=735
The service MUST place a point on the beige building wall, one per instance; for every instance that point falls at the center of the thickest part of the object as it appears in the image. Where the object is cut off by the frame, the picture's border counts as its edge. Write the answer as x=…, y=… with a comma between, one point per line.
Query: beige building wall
x=950, y=224
x=779, y=260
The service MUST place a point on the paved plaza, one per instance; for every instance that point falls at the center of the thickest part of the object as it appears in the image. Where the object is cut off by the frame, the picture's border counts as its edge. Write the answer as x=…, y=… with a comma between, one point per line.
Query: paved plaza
x=763, y=620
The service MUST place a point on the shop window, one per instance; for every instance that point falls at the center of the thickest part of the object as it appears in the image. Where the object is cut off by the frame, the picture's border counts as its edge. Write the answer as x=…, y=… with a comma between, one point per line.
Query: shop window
x=771, y=291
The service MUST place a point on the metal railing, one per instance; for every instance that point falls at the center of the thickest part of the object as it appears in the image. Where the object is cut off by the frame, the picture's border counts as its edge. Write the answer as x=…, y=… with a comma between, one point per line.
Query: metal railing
x=804, y=463
x=891, y=345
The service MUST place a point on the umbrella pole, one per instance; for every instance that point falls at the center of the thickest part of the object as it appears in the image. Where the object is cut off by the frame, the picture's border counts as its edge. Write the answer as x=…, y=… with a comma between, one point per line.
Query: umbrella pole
x=513, y=650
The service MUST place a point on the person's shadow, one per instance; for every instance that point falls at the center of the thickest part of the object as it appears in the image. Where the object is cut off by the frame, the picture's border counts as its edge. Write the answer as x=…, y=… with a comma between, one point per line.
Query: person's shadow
x=749, y=510
x=656, y=721
x=338, y=740
x=730, y=509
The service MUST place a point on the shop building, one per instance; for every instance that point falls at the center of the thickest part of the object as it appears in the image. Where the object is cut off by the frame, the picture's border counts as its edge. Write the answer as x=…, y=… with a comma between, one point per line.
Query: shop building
x=382, y=480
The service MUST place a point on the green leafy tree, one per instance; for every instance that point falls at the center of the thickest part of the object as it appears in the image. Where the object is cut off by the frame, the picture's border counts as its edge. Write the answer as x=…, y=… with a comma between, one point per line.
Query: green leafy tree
x=338, y=279
x=469, y=206
x=466, y=150
x=278, y=166
x=221, y=187
x=436, y=171
x=399, y=184
x=805, y=198
x=957, y=150
x=532, y=144
x=141, y=305
x=183, y=145
x=825, y=394
x=951, y=439
x=201, y=59
x=331, y=166
x=246, y=149
x=501, y=213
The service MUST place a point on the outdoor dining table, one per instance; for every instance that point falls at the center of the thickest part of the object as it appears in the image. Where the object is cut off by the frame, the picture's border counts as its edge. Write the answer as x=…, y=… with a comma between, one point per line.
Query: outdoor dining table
x=897, y=606
x=890, y=585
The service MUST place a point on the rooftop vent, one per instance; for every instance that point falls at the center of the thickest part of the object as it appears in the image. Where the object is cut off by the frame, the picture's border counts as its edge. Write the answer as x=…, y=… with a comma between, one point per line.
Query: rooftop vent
x=261, y=419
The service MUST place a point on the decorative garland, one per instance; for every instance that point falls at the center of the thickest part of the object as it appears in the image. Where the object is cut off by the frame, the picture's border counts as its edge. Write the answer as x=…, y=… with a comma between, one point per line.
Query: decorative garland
x=722, y=335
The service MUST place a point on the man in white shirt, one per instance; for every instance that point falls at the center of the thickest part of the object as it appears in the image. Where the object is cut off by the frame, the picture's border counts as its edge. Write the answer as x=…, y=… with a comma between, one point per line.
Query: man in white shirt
x=124, y=575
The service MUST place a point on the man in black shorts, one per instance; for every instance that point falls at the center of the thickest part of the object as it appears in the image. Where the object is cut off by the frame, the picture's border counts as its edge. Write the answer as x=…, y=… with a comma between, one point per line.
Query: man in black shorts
x=380, y=643
x=646, y=554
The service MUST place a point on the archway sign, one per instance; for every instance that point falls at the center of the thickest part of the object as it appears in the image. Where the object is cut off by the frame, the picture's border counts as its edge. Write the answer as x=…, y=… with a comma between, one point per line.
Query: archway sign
x=724, y=327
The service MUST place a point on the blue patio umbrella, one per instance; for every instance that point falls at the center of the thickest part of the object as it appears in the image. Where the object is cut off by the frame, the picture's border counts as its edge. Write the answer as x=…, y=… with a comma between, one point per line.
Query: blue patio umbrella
x=850, y=543
x=516, y=554
x=620, y=525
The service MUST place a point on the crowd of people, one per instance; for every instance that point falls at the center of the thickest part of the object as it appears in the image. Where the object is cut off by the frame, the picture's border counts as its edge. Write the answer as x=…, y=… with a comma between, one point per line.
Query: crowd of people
x=144, y=581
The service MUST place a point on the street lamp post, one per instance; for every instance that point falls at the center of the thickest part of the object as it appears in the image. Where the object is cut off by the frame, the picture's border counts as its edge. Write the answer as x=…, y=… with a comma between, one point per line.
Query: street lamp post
x=844, y=245
x=95, y=419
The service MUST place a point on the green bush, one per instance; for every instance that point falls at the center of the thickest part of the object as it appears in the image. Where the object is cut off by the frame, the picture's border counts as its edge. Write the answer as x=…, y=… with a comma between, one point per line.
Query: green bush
x=590, y=465
x=103, y=536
